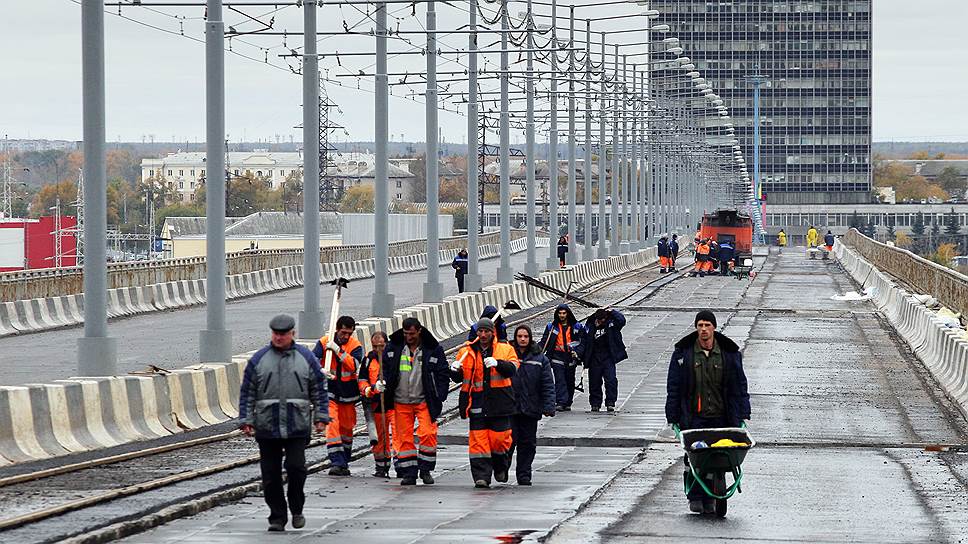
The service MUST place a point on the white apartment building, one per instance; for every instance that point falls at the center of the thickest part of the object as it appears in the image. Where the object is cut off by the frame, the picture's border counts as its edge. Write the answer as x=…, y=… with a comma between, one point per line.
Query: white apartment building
x=182, y=172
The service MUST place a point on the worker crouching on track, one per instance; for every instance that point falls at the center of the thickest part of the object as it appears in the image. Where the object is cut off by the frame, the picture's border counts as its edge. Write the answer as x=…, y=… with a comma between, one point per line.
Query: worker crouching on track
x=704, y=263
x=602, y=349
x=417, y=380
x=344, y=391
x=557, y=341
x=534, y=394
x=706, y=388
x=665, y=254
x=373, y=390
x=484, y=369
x=282, y=388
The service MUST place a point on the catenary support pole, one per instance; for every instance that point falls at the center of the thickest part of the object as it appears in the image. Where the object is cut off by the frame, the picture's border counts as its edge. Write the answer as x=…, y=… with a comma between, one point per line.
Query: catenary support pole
x=433, y=291
x=624, y=158
x=382, y=301
x=613, y=249
x=310, y=318
x=588, y=252
x=634, y=165
x=572, y=256
x=97, y=353
x=531, y=266
x=472, y=281
x=504, y=273
x=552, y=156
x=602, y=166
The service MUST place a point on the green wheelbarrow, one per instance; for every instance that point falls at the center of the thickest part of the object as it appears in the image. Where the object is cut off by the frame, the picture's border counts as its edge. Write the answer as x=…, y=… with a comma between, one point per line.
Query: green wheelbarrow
x=715, y=462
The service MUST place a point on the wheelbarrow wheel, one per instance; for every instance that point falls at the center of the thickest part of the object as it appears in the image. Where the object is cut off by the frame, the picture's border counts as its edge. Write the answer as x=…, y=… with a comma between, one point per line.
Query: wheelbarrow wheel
x=719, y=488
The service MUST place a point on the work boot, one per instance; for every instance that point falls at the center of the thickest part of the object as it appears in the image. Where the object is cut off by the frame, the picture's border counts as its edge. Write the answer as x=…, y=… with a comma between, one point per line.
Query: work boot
x=481, y=484
x=382, y=473
x=696, y=506
x=276, y=527
x=610, y=408
x=298, y=521
x=501, y=476
x=596, y=409
x=708, y=506
x=524, y=481
x=565, y=409
x=339, y=471
x=409, y=480
x=427, y=477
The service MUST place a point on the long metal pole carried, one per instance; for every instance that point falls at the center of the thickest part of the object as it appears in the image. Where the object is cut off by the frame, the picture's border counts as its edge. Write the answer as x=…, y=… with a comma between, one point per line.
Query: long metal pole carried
x=97, y=354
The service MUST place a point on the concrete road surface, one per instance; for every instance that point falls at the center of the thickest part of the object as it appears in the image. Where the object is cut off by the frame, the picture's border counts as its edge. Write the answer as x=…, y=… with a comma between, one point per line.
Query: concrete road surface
x=841, y=411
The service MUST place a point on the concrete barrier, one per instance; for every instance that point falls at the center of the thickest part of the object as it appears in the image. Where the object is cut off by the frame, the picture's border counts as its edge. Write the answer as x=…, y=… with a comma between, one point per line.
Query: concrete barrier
x=943, y=350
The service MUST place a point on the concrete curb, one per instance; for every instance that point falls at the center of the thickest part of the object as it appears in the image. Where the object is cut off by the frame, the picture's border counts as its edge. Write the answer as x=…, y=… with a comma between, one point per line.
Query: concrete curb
x=943, y=350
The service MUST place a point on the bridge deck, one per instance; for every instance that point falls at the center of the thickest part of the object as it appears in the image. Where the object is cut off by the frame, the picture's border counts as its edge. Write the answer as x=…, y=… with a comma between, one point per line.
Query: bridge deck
x=170, y=339
x=841, y=412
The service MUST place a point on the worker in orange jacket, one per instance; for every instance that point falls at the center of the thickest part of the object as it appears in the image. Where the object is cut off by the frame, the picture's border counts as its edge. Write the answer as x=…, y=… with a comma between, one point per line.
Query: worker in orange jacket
x=484, y=368
x=343, y=392
x=702, y=258
x=372, y=388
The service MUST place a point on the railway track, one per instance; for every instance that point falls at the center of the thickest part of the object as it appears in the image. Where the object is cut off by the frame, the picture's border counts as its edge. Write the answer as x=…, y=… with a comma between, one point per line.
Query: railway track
x=41, y=495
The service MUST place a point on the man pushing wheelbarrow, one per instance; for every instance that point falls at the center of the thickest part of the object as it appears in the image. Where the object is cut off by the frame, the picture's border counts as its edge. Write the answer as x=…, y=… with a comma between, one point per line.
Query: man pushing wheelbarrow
x=707, y=401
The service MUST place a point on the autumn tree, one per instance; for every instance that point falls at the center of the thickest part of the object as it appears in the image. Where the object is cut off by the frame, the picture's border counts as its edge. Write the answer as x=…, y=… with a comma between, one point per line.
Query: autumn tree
x=48, y=195
x=357, y=199
x=292, y=192
x=952, y=182
x=453, y=191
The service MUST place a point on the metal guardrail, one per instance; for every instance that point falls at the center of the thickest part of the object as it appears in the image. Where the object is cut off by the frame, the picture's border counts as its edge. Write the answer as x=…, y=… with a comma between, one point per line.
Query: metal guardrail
x=950, y=287
x=55, y=282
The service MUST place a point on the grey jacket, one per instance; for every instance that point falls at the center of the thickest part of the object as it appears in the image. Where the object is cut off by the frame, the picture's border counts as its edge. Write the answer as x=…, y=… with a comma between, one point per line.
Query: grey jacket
x=283, y=393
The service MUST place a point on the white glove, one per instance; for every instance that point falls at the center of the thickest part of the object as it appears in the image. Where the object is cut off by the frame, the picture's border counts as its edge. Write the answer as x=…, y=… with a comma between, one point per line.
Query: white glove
x=455, y=366
x=380, y=386
x=333, y=346
x=490, y=362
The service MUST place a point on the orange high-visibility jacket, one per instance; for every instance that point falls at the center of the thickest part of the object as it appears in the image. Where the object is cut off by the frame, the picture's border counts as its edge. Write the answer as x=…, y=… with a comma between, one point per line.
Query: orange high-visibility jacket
x=345, y=387
x=486, y=392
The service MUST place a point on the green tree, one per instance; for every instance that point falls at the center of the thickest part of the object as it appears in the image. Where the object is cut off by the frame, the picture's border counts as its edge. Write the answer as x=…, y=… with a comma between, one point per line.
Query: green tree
x=48, y=195
x=292, y=192
x=952, y=182
x=891, y=233
x=460, y=216
x=357, y=199
x=855, y=221
x=917, y=233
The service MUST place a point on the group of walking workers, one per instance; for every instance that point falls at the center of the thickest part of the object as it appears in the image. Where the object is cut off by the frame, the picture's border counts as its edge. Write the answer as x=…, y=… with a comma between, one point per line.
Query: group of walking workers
x=506, y=386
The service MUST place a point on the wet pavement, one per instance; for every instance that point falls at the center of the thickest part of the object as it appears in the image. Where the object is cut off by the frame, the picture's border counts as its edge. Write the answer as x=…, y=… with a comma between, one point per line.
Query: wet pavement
x=841, y=412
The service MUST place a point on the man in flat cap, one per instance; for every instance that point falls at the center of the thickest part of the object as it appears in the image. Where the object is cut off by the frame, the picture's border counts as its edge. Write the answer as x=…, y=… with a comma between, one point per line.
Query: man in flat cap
x=282, y=399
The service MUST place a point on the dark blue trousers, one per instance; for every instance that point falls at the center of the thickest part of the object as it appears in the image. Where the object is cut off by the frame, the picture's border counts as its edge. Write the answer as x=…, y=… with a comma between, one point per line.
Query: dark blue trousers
x=602, y=373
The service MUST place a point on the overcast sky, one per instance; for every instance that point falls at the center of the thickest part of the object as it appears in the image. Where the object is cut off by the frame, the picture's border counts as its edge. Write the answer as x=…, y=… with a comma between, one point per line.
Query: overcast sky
x=156, y=79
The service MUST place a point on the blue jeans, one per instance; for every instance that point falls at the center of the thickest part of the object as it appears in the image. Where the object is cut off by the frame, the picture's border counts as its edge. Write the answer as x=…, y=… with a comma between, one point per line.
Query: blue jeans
x=602, y=373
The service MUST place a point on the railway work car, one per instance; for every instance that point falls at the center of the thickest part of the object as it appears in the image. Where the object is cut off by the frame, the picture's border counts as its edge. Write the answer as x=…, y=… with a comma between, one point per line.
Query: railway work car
x=729, y=225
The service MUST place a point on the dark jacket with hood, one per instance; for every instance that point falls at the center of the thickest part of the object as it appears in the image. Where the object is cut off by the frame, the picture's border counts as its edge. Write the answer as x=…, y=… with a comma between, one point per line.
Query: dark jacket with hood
x=680, y=383
x=663, y=248
x=502, y=328
x=613, y=331
x=433, y=365
x=534, y=383
x=552, y=329
x=674, y=247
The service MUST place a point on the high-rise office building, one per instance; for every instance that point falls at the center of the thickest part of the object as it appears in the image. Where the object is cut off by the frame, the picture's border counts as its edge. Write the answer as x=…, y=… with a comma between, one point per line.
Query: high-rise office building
x=815, y=112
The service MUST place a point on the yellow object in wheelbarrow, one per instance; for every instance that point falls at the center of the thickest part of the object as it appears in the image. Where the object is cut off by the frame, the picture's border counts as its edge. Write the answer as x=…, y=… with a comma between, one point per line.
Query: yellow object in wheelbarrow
x=727, y=443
